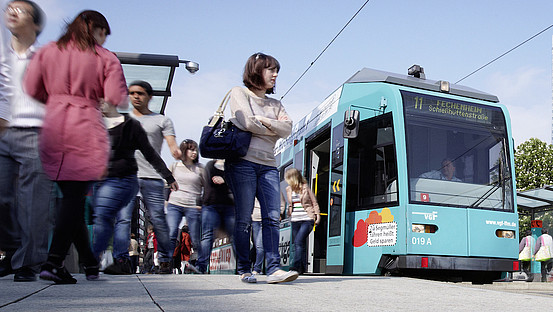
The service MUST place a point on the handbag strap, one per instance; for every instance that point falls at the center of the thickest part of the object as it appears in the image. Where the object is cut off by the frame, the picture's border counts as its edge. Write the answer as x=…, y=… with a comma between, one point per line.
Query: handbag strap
x=220, y=112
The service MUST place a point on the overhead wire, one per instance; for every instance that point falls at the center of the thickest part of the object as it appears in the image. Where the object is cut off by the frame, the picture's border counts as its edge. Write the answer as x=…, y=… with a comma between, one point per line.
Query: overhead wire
x=328, y=45
x=502, y=55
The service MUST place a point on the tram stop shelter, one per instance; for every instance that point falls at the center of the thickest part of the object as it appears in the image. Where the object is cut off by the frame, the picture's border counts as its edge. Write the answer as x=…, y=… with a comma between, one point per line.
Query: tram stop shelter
x=535, y=203
x=158, y=70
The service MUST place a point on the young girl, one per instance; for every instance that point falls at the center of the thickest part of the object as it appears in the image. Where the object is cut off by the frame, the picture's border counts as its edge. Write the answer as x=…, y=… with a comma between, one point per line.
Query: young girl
x=304, y=213
x=256, y=175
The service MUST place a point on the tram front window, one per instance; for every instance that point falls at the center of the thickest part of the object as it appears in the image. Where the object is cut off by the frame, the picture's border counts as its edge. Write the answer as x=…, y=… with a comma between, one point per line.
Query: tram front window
x=457, y=153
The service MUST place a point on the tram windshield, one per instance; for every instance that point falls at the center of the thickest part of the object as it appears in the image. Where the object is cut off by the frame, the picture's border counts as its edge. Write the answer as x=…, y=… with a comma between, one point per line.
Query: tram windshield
x=457, y=153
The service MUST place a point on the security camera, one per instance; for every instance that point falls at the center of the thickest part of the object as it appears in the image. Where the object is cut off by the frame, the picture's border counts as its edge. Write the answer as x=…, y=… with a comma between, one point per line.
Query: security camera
x=192, y=67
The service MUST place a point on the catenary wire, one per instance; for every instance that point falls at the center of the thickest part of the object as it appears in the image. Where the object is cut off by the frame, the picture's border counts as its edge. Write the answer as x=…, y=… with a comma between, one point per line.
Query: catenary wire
x=310, y=65
x=502, y=55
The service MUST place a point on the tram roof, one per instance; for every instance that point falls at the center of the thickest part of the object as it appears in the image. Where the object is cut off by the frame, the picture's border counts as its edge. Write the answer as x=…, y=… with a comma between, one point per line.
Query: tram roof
x=373, y=75
x=535, y=201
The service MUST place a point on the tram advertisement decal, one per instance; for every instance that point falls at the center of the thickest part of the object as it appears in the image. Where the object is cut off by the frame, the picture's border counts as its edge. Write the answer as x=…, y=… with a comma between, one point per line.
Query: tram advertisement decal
x=379, y=229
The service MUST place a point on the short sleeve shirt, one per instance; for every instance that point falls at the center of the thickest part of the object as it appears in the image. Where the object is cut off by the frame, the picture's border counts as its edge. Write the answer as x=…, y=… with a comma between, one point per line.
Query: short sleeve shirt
x=157, y=127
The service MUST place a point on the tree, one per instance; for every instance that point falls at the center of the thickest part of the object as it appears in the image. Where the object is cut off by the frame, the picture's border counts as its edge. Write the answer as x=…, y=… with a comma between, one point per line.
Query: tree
x=533, y=164
x=534, y=169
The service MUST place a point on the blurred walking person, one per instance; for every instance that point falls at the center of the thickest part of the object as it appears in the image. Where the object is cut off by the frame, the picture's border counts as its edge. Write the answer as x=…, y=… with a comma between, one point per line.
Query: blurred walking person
x=150, y=251
x=217, y=209
x=25, y=190
x=71, y=76
x=187, y=200
x=150, y=183
x=134, y=253
x=119, y=188
x=304, y=214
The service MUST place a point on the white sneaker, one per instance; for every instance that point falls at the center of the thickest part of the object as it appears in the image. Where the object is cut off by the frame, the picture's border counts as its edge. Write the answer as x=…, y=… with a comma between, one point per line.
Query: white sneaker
x=281, y=276
x=255, y=273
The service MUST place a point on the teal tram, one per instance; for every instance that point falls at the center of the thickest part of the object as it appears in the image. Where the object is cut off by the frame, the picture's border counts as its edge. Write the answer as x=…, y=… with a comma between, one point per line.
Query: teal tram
x=412, y=176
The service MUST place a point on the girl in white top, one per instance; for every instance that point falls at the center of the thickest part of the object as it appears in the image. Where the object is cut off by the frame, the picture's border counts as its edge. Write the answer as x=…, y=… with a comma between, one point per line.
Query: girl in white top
x=186, y=202
x=304, y=214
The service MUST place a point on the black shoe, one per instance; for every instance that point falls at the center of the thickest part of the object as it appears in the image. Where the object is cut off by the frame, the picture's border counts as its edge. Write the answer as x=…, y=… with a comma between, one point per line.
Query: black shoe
x=165, y=268
x=6, y=266
x=119, y=267
x=24, y=274
x=58, y=275
x=92, y=273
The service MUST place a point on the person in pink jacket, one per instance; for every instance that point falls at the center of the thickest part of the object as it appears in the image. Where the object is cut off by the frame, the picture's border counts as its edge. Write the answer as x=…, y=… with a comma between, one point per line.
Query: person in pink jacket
x=73, y=76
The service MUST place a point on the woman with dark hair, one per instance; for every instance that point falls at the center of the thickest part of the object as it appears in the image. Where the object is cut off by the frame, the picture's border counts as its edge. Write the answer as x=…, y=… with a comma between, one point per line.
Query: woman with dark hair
x=256, y=175
x=187, y=200
x=72, y=76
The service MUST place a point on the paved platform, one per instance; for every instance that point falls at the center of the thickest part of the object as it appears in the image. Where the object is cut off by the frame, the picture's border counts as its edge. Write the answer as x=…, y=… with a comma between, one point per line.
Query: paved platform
x=307, y=293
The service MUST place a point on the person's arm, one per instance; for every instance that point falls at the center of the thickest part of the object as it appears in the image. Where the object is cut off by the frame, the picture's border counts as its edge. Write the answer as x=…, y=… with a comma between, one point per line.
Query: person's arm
x=5, y=82
x=242, y=114
x=115, y=85
x=282, y=126
x=289, y=196
x=33, y=81
x=315, y=205
x=173, y=146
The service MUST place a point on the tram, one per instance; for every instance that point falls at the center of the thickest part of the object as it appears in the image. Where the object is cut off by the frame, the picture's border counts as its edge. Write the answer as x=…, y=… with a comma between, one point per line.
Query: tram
x=412, y=176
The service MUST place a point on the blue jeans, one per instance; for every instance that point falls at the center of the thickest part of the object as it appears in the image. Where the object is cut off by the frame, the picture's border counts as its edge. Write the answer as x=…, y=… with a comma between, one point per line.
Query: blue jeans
x=249, y=180
x=211, y=219
x=25, y=198
x=111, y=198
x=300, y=231
x=193, y=219
x=153, y=194
x=258, y=244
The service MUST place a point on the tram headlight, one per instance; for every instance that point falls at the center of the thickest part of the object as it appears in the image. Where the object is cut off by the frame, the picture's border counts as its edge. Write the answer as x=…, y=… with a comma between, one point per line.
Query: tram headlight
x=505, y=233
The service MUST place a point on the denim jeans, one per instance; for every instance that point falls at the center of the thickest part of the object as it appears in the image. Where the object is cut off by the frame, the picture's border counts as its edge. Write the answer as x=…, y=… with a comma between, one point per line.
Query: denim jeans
x=258, y=244
x=111, y=197
x=211, y=219
x=300, y=231
x=193, y=219
x=25, y=199
x=249, y=180
x=153, y=194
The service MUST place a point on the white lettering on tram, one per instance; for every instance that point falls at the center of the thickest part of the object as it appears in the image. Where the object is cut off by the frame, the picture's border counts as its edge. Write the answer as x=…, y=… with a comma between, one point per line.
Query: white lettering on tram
x=382, y=234
x=427, y=215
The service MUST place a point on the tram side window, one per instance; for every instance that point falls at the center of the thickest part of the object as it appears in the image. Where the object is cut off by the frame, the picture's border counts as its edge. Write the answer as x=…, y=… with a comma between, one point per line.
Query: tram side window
x=372, y=166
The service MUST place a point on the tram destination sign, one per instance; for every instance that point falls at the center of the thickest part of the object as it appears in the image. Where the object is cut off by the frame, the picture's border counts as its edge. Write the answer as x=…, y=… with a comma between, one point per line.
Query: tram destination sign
x=434, y=106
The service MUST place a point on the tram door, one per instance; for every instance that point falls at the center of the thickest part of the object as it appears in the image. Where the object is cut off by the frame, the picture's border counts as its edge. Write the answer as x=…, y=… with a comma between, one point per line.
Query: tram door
x=318, y=175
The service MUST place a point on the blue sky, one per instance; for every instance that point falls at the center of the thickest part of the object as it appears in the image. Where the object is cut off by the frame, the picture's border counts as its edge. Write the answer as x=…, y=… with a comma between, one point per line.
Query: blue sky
x=449, y=39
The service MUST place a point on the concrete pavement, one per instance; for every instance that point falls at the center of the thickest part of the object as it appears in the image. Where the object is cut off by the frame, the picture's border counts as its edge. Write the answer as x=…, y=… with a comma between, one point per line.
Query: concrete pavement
x=307, y=293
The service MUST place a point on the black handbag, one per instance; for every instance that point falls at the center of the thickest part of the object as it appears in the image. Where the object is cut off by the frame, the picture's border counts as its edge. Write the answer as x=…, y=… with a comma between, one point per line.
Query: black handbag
x=222, y=139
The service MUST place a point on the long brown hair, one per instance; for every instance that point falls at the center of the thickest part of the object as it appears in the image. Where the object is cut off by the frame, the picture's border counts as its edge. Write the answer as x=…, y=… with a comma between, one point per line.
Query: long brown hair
x=80, y=31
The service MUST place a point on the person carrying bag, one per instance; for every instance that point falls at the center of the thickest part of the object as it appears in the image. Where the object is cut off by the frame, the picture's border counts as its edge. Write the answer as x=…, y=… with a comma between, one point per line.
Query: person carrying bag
x=222, y=139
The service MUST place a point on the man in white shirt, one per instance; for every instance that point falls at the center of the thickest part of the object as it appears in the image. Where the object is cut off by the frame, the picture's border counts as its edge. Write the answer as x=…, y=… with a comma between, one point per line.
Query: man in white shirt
x=25, y=191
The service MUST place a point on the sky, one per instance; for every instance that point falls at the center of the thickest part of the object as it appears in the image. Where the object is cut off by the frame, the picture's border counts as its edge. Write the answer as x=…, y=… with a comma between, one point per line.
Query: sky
x=450, y=39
